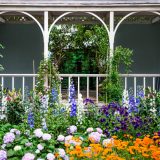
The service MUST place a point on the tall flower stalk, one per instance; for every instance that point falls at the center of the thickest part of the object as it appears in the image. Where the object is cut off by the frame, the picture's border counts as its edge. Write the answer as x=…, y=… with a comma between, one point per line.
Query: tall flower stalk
x=72, y=100
x=31, y=119
x=80, y=109
x=44, y=110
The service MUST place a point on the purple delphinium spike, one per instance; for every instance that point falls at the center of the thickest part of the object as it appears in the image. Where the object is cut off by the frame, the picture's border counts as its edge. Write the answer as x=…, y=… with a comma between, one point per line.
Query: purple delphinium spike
x=31, y=119
x=54, y=94
x=72, y=100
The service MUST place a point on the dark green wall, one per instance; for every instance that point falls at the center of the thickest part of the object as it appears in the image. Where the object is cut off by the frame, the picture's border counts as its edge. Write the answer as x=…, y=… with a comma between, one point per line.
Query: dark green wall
x=23, y=44
x=144, y=40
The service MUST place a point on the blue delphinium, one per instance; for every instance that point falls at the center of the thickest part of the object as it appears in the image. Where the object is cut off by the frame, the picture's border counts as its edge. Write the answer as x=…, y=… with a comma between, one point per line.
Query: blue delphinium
x=140, y=92
x=54, y=94
x=31, y=119
x=44, y=124
x=133, y=104
x=72, y=100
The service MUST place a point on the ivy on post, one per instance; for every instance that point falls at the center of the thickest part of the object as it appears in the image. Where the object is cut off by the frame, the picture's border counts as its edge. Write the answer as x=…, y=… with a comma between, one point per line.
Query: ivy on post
x=53, y=80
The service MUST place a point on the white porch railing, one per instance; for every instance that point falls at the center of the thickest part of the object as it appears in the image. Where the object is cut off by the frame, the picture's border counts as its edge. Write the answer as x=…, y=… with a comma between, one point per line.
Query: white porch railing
x=129, y=80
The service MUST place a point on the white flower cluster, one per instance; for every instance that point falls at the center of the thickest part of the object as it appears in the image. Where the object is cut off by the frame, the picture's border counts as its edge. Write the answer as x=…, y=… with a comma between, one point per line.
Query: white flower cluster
x=44, y=103
x=3, y=108
x=80, y=109
x=45, y=136
x=125, y=98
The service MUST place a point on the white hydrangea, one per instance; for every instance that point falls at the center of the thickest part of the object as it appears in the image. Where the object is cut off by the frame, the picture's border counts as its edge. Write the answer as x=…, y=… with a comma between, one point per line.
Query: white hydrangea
x=50, y=156
x=61, y=152
x=17, y=148
x=60, y=138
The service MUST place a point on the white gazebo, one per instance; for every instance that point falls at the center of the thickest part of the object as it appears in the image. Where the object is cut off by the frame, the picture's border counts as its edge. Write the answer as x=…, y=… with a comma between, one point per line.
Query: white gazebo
x=110, y=13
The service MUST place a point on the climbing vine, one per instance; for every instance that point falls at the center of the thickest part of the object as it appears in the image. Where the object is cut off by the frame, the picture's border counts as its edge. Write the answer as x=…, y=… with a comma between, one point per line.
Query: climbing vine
x=48, y=75
x=112, y=87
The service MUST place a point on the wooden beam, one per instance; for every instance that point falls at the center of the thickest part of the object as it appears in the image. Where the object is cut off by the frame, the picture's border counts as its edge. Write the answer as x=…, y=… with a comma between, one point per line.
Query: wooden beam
x=130, y=8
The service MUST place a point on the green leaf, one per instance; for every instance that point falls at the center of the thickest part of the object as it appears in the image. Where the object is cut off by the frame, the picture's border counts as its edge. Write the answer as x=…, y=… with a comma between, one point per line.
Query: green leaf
x=10, y=153
x=24, y=141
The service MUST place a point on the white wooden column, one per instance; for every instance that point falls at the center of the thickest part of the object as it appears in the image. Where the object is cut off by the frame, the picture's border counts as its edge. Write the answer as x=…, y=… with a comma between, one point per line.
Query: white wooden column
x=46, y=39
x=46, y=34
x=111, y=33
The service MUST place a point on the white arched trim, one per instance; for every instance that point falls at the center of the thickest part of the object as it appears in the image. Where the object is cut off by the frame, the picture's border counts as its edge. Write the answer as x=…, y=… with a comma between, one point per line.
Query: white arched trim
x=93, y=14
x=128, y=15
x=29, y=15
x=56, y=20
x=119, y=23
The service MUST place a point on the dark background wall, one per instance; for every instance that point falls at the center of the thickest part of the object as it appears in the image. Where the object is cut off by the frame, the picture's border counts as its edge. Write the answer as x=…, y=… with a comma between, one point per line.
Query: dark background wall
x=24, y=43
x=144, y=40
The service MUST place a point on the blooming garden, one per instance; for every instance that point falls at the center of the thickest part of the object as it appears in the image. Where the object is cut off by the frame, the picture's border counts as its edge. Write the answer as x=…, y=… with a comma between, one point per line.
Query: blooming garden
x=41, y=126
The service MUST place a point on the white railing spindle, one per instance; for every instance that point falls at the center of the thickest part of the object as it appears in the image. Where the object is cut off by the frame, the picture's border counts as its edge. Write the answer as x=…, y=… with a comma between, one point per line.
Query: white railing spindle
x=97, y=89
x=2, y=83
x=23, y=87
x=69, y=82
x=153, y=83
x=12, y=83
x=78, y=85
x=144, y=84
x=135, y=87
x=88, y=87
x=125, y=83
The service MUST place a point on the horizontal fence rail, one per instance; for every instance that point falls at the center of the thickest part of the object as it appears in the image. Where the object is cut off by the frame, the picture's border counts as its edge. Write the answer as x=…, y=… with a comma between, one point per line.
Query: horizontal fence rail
x=21, y=81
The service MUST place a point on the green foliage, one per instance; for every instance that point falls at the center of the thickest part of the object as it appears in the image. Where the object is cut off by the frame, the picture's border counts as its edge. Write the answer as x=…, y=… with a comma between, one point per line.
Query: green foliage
x=47, y=74
x=15, y=108
x=112, y=87
x=122, y=56
x=79, y=48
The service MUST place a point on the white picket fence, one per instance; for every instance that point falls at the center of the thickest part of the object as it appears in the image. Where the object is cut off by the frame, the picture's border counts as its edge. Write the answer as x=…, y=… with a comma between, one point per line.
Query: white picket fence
x=129, y=80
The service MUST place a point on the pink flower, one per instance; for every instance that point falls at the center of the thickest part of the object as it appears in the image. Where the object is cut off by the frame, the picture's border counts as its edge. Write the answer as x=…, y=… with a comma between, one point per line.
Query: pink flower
x=107, y=141
x=28, y=156
x=72, y=129
x=68, y=138
x=16, y=131
x=99, y=130
x=50, y=156
x=8, y=138
x=60, y=138
x=40, y=147
x=38, y=133
x=28, y=144
x=3, y=155
x=61, y=152
x=89, y=130
x=94, y=137
x=46, y=136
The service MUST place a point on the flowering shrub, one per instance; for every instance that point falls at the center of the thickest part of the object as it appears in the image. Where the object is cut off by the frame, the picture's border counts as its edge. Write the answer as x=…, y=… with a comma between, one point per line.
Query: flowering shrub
x=92, y=144
x=26, y=145
x=96, y=146
x=14, y=107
